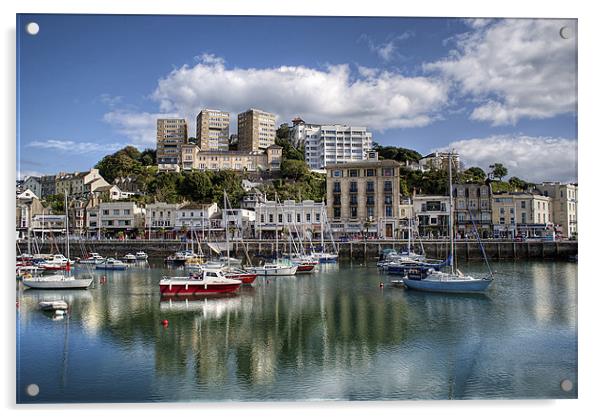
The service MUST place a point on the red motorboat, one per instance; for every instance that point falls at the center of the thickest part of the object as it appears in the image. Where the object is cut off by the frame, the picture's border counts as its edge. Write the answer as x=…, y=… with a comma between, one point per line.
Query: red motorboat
x=305, y=268
x=207, y=281
x=244, y=276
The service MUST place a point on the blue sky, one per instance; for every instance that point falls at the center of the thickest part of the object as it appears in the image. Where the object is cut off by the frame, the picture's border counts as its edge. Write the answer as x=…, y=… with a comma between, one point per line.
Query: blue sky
x=495, y=90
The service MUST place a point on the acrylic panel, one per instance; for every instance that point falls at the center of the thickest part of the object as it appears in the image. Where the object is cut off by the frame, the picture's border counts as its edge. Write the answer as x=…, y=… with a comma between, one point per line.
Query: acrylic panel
x=279, y=208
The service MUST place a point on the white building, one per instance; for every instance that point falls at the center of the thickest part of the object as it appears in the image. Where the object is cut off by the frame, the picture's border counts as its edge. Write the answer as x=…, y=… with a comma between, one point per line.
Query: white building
x=109, y=218
x=33, y=183
x=433, y=215
x=45, y=225
x=160, y=216
x=240, y=222
x=299, y=218
x=199, y=217
x=331, y=144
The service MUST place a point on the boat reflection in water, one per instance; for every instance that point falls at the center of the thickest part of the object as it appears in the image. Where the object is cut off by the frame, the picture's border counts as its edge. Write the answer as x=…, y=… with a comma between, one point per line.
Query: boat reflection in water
x=211, y=306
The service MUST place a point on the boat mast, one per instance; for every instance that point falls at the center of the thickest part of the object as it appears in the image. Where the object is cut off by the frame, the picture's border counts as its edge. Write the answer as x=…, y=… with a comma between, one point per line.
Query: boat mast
x=451, y=213
x=277, y=224
x=67, y=226
x=322, y=226
x=226, y=229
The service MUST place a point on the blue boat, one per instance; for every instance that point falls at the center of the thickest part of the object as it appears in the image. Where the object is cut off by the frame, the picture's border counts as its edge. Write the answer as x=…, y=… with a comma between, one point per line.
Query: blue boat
x=402, y=268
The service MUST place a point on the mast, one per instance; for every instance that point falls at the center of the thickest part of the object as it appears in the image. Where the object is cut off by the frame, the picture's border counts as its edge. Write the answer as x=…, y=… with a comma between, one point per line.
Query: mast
x=67, y=226
x=451, y=213
x=322, y=226
x=276, y=198
x=226, y=229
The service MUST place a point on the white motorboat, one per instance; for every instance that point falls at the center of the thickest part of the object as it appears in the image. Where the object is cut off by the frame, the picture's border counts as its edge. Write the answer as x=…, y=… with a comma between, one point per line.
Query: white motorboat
x=53, y=305
x=112, y=264
x=57, y=262
x=273, y=269
x=141, y=255
x=93, y=258
x=129, y=258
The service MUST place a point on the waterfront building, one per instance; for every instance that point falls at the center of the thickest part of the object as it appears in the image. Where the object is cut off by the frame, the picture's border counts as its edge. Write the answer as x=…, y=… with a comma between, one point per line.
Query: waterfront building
x=363, y=198
x=32, y=183
x=45, y=225
x=115, y=218
x=256, y=130
x=303, y=219
x=171, y=135
x=522, y=214
x=194, y=158
x=330, y=144
x=213, y=130
x=27, y=206
x=251, y=200
x=198, y=217
x=563, y=206
x=432, y=213
x=77, y=216
x=160, y=219
x=472, y=209
x=240, y=222
x=439, y=161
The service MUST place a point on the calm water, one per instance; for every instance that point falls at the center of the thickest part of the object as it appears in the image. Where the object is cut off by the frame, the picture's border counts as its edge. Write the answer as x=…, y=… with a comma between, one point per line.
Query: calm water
x=330, y=335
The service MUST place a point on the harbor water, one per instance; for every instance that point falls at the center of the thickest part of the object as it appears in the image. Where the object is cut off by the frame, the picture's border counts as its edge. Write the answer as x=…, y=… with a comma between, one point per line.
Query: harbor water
x=335, y=334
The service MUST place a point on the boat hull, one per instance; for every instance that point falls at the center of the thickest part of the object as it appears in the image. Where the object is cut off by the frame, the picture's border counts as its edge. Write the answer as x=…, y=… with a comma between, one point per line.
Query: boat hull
x=248, y=278
x=448, y=286
x=181, y=289
x=286, y=271
x=58, y=284
x=102, y=267
x=305, y=268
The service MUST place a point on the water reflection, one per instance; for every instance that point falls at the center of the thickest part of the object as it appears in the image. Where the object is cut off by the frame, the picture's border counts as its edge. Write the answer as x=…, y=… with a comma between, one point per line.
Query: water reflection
x=331, y=335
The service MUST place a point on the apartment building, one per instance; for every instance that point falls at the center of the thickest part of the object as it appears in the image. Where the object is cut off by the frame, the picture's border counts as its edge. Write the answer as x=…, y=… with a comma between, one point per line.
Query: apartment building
x=521, y=214
x=256, y=130
x=194, y=158
x=27, y=206
x=301, y=219
x=472, y=209
x=563, y=204
x=213, y=130
x=432, y=213
x=44, y=225
x=79, y=184
x=331, y=144
x=363, y=198
x=160, y=219
x=33, y=183
x=240, y=222
x=48, y=185
x=111, y=218
x=171, y=135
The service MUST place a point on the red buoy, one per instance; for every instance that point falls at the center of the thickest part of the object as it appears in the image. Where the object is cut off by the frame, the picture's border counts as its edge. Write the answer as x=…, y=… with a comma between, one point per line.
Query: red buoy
x=382, y=284
x=165, y=323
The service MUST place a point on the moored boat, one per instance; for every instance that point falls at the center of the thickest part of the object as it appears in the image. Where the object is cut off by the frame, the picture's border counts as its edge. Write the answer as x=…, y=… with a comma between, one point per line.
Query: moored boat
x=58, y=262
x=207, y=281
x=112, y=264
x=57, y=281
x=129, y=258
x=141, y=255
x=93, y=258
x=273, y=269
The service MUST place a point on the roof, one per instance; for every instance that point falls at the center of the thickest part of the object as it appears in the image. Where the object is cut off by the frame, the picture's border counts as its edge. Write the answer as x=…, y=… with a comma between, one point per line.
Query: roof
x=274, y=146
x=364, y=163
x=196, y=206
x=104, y=188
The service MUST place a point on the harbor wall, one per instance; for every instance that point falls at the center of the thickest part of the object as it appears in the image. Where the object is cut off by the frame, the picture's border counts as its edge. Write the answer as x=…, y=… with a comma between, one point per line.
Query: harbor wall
x=465, y=250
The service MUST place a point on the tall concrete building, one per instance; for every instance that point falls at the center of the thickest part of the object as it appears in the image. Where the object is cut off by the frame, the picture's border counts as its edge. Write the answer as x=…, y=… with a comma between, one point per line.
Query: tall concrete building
x=256, y=130
x=363, y=198
x=330, y=144
x=563, y=205
x=171, y=135
x=213, y=130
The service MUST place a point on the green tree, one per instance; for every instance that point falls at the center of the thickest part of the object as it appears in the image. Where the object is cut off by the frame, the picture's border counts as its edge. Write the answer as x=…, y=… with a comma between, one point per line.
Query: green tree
x=294, y=169
x=474, y=175
x=197, y=186
x=498, y=171
x=55, y=202
x=148, y=157
x=396, y=153
x=517, y=183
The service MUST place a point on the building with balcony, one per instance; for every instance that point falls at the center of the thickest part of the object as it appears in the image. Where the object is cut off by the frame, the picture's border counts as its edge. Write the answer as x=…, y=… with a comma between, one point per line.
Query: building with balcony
x=199, y=218
x=48, y=225
x=240, y=222
x=521, y=214
x=300, y=219
x=171, y=135
x=432, y=213
x=563, y=206
x=363, y=198
x=160, y=219
x=213, y=130
x=195, y=159
x=113, y=219
x=256, y=130
x=472, y=210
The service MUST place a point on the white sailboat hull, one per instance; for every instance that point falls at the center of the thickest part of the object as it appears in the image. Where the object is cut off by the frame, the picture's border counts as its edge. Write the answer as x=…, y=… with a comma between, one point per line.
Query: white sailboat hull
x=279, y=271
x=57, y=282
x=448, y=286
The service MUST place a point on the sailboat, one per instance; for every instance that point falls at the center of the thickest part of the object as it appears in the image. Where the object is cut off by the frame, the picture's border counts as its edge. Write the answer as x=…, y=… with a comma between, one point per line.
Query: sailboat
x=323, y=256
x=453, y=281
x=59, y=281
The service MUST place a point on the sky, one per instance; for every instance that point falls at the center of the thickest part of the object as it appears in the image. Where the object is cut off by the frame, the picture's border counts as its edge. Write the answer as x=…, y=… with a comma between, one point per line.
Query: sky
x=493, y=90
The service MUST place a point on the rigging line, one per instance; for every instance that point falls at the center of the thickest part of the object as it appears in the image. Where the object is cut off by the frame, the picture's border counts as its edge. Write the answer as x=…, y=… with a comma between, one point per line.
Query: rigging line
x=479, y=240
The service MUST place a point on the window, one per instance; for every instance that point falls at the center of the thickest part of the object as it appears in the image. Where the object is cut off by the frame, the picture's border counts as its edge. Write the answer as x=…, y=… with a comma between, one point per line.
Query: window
x=353, y=199
x=127, y=212
x=352, y=173
x=337, y=187
x=353, y=187
x=336, y=201
x=388, y=186
x=289, y=218
x=317, y=217
x=262, y=218
x=271, y=218
x=370, y=211
x=115, y=211
x=279, y=218
x=370, y=187
x=354, y=211
x=502, y=211
x=523, y=204
x=370, y=200
x=337, y=212
x=511, y=211
x=388, y=211
x=369, y=172
x=388, y=172
x=523, y=218
x=105, y=212
x=388, y=199
x=336, y=173
x=502, y=221
x=299, y=215
x=308, y=217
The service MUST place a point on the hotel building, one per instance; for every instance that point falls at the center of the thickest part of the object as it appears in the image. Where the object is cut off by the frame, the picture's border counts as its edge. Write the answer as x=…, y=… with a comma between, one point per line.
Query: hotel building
x=363, y=198
x=563, y=205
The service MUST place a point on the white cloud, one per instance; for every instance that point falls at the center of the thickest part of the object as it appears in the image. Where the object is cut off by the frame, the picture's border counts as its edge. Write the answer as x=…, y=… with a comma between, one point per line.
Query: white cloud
x=140, y=128
x=514, y=69
x=530, y=158
x=375, y=98
x=23, y=174
x=110, y=100
x=387, y=51
x=74, y=147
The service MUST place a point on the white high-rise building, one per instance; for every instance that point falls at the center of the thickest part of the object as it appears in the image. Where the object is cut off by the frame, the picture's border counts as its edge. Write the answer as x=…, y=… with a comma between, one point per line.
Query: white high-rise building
x=331, y=144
